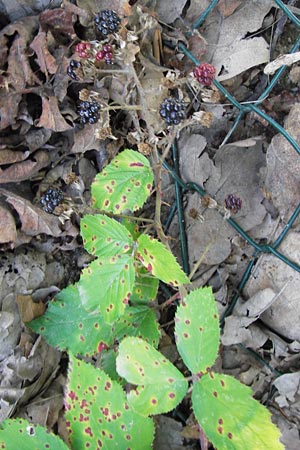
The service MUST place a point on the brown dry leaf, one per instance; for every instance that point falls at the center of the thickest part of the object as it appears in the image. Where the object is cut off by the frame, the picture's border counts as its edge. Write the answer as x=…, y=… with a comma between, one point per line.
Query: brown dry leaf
x=122, y=7
x=19, y=71
x=59, y=20
x=34, y=220
x=234, y=171
x=9, y=156
x=170, y=11
x=45, y=59
x=85, y=139
x=272, y=274
x=21, y=171
x=229, y=50
x=51, y=117
x=227, y=7
x=8, y=231
x=29, y=309
x=9, y=106
x=283, y=168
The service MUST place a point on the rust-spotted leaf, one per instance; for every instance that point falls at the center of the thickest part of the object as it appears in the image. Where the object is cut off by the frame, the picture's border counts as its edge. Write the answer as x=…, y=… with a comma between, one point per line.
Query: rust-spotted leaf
x=197, y=330
x=145, y=288
x=160, y=385
x=103, y=236
x=98, y=415
x=139, y=321
x=18, y=434
x=68, y=326
x=230, y=417
x=106, y=285
x=125, y=183
x=159, y=261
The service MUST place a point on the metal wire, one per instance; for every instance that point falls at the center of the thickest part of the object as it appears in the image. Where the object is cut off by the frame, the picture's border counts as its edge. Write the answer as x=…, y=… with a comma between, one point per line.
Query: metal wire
x=180, y=186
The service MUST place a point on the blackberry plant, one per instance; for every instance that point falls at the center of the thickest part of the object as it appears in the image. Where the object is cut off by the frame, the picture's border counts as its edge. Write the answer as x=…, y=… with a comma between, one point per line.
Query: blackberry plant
x=172, y=111
x=89, y=112
x=107, y=22
x=51, y=199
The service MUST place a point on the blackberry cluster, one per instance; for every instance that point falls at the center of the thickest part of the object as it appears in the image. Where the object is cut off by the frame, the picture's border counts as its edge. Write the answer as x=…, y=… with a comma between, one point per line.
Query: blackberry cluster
x=172, y=111
x=233, y=203
x=106, y=54
x=51, y=199
x=89, y=112
x=205, y=74
x=107, y=22
x=71, y=70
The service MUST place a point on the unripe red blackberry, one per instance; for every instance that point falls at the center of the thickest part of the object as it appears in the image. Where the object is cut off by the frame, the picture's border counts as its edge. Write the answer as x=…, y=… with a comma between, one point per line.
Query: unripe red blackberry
x=83, y=49
x=172, y=111
x=51, y=199
x=205, y=74
x=89, y=112
x=107, y=22
x=105, y=54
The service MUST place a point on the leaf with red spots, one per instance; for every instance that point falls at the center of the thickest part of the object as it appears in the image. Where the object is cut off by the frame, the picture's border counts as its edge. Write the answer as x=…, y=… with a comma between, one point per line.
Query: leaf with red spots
x=145, y=288
x=98, y=415
x=230, y=417
x=20, y=434
x=125, y=183
x=139, y=321
x=68, y=326
x=161, y=386
x=106, y=285
x=197, y=330
x=103, y=236
x=159, y=261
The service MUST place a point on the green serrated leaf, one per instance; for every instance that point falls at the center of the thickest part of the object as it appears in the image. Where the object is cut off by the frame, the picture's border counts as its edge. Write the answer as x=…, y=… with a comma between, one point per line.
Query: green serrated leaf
x=68, y=326
x=107, y=362
x=98, y=415
x=160, y=384
x=20, y=434
x=145, y=288
x=197, y=330
x=139, y=321
x=103, y=236
x=106, y=285
x=230, y=417
x=125, y=183
x=159, y=261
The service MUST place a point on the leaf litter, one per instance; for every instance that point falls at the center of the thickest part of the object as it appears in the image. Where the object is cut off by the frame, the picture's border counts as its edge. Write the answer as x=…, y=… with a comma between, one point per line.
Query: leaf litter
x=42, y=144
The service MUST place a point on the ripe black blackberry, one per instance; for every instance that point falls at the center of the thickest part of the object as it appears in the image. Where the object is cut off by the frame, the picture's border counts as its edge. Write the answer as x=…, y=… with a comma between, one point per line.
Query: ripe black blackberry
x=51, y=199
x=89, y=112
x=107, y=22
x=172, y=111
x=72, y=68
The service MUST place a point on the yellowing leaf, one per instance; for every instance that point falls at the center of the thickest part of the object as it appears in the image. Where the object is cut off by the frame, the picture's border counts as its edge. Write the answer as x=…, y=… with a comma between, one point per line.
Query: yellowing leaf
x=230, y=417
x=159, y=261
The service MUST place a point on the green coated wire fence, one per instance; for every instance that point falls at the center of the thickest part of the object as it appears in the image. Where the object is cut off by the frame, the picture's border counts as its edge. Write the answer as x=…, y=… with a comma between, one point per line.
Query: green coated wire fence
x=181, y=186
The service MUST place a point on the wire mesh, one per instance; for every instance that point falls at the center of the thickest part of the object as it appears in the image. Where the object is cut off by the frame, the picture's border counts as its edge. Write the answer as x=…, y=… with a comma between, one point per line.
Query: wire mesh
x=181, y=186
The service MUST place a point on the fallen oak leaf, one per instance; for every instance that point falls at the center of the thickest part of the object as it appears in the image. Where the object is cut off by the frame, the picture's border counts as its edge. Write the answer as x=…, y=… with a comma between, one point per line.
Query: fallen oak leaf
x=34, y=220
x=45, y=59
x=21, y=171
x=10, y=156
x=19, y=71
x=8, y=231
x=51, y=117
